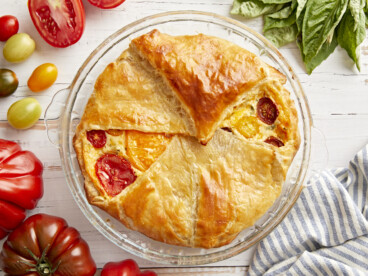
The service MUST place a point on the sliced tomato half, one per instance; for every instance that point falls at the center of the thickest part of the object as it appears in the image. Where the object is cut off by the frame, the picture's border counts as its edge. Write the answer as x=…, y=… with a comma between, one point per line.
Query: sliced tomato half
x=59, y=22
x=106, y=4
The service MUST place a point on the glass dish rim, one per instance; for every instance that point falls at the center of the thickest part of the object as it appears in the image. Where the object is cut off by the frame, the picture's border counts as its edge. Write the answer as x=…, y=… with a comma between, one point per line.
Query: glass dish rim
x=65, y=148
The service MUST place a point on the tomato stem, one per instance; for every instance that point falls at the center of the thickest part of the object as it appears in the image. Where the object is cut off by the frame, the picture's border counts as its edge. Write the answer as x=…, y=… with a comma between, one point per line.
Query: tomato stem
x=42, y=266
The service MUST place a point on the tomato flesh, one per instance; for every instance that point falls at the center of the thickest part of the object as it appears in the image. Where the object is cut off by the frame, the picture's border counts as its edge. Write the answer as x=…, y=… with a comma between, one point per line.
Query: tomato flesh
x=114, y=173
x=274, y=141
x=8, y=26
x=97, y=138
x=143, y=149
x=60, y=24
x=267, y=111
x=106, y=4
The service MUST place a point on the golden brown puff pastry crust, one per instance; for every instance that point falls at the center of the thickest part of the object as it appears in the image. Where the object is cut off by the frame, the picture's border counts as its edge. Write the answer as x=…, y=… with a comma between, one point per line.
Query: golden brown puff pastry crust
x=204, y=172
x=208, y=75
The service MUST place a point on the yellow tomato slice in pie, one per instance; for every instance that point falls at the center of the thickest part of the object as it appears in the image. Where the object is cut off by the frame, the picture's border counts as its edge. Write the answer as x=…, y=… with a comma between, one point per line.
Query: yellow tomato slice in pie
x=144, y=148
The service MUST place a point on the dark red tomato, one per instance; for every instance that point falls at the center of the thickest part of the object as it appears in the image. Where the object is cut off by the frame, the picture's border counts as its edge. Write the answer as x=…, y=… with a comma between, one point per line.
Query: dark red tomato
x=124, y=268
x=47, y=245
x=267, y=111
x=8, y=82
x=97, y=138
x=8, y=26
x=114, y=173
x=274, y=141
x=106, y=4
x=60, y=23
x=21, y=184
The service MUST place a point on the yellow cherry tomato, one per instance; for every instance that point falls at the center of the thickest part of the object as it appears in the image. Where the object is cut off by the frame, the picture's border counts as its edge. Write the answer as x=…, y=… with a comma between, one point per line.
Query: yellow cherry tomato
x=42, y=77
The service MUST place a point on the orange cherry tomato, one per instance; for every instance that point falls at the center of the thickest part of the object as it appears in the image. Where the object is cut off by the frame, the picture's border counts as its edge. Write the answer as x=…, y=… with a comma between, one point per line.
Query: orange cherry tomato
x=42, y=77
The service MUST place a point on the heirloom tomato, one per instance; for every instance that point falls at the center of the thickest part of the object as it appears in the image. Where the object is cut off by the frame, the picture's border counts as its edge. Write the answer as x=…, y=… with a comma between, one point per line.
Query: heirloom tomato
x=59, y=22
x=20, y=184
x=8, y=26
x=124, y=268
x=45, y=245
x=106, y=4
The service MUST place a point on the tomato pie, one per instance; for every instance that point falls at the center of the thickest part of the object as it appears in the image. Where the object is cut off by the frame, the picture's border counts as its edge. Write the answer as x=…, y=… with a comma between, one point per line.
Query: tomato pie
x=187, y=139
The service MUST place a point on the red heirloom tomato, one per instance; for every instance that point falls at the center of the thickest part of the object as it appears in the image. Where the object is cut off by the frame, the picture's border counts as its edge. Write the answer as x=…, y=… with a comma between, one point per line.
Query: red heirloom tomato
x=267, y=110
x=114, y=173
x=60, y=23
x=97, y=138
x=106, y=4
x=274, y=141
x=21, y=184
x=8, y=26
x=125, y=268
x=45, y=245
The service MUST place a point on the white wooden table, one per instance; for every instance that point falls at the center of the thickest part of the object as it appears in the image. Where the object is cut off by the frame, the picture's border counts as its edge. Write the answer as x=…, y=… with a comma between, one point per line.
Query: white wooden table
x=337, y=94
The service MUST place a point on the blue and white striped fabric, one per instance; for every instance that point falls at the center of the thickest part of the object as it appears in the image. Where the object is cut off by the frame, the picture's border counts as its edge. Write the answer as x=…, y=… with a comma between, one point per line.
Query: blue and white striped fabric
x=326, y=232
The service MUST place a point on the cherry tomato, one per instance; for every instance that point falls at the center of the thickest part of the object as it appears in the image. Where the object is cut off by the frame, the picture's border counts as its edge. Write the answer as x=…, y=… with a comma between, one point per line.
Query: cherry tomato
x=114, y=173
x=19, y=47
x=46, y=245
x=106, y=4
x=24, y=113
x=97, y=138
x=21, y=184
x=60, y=23
x=127, y=268
x=42, y=77
x=274, y=141
x=8, y=26
x=267, y=110
x=8, y=82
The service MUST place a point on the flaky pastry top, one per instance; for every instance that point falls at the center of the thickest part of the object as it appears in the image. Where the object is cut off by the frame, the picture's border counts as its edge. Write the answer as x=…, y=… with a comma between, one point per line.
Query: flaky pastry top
x=205, y=129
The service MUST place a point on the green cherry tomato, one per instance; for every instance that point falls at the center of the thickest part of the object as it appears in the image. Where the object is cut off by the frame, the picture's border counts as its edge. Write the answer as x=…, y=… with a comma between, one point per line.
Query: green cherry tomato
x=24, y=113
x=42, y=77
x=18, y=47
x=8, y=82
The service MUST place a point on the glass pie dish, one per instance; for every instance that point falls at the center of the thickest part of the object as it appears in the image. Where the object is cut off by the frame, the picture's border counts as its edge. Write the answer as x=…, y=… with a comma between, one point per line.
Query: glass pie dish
x=64, y=113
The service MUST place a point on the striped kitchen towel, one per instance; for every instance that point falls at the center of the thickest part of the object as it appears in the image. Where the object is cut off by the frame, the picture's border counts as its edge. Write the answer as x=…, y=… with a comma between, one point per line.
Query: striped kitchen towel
x=326, y=232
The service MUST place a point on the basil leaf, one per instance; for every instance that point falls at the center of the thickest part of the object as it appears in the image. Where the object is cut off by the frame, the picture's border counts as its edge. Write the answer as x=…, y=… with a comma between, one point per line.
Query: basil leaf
x=270, y=22
x=253, y=8
x=326, y=50
x=276, y=1
x=300, y=8
x=282, y=36
x=283, y=13
x=350, y=39
x=300, y=19
x=355, y=7
x=320, y=21
x=366, y=13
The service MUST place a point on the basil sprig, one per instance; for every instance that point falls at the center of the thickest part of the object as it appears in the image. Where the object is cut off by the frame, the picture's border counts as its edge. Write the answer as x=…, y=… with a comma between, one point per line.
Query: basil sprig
x=317, y=26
